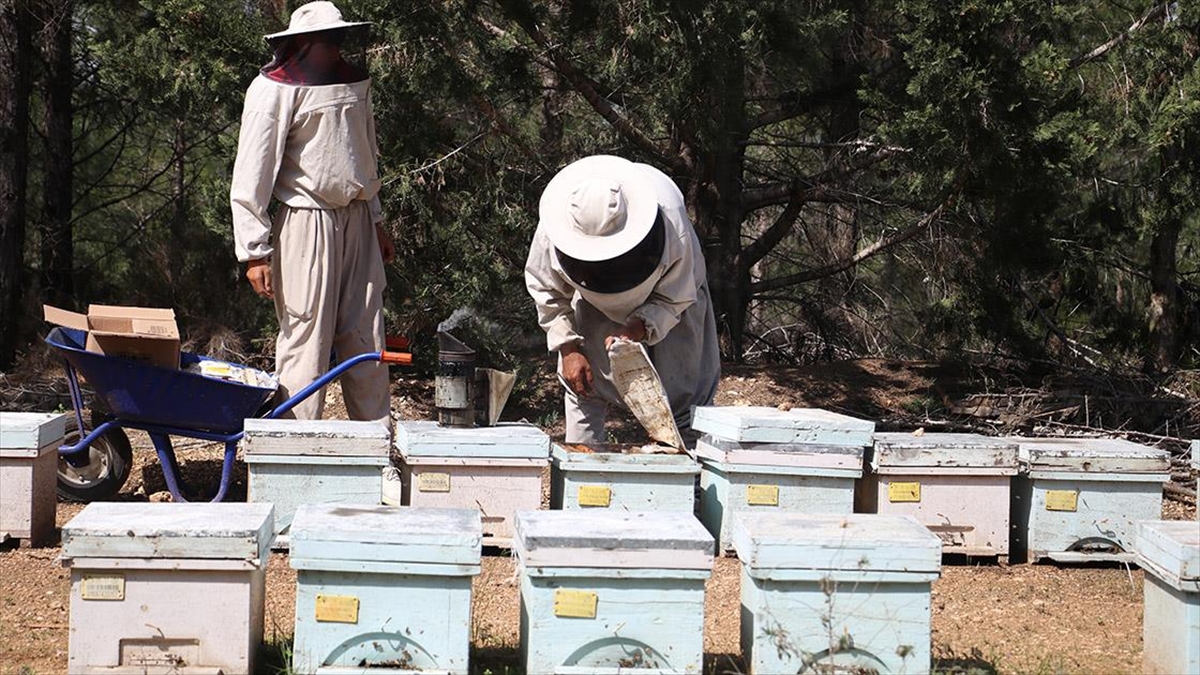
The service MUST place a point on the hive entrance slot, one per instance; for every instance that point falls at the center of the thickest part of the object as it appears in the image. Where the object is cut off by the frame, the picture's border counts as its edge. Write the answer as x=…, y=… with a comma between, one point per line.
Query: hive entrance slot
x=159, y=652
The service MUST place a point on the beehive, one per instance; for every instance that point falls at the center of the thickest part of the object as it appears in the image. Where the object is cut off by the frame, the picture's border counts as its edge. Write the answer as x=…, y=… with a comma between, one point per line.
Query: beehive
x=621, y=478
x=760, y=424
x=166, y=588
x=383, y=587
x=773, y=477
x=497, y=470
x=28, y=474
x=608, y=591
x=293, y=462
x=1080, y=498
x=1169, y=552
x=827, y=593
x=1196, y=466
x=957, y=485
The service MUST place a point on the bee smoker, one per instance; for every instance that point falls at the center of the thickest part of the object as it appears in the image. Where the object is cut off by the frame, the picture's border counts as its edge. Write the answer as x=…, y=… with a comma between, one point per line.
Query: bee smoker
x=454, y=384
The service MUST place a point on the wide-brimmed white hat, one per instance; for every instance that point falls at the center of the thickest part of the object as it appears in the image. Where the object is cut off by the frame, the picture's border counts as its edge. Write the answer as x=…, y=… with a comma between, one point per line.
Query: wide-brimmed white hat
x=598, y=208
x=315, y=17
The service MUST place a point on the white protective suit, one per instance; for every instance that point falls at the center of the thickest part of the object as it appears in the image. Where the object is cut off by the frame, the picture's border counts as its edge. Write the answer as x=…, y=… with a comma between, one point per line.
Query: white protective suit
x=313, y=149
x=674, y=303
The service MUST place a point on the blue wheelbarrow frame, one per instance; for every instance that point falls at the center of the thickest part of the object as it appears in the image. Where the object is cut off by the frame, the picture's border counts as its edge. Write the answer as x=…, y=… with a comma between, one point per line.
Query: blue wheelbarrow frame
x=166, y=402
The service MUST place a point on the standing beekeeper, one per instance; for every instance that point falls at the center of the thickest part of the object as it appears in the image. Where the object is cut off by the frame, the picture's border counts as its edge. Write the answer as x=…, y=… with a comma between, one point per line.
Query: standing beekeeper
x=308, y=140
x=615, y=256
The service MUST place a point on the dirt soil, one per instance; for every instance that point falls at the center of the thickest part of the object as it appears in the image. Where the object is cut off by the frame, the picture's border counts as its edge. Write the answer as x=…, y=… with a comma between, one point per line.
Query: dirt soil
x=987, y=618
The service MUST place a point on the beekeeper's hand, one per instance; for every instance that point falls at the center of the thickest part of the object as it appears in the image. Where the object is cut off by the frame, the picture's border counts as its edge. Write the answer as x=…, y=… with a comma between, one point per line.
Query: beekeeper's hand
x=387, y=248
x=258, y=272
x=634, y=329
x=576, y=370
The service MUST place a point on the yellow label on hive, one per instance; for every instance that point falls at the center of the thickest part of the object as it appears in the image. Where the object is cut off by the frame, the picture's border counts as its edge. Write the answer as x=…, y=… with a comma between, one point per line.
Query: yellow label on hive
x=762, y=495
x=1062, y=500
x=904, y=492
x=595, y=495
x=102, y=587
x=433, y=482
x=337, y=608
x=575, y=604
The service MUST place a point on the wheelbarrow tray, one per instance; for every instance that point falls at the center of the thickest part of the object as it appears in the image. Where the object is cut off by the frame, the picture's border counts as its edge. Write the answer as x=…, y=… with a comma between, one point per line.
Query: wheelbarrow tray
x=138, y=392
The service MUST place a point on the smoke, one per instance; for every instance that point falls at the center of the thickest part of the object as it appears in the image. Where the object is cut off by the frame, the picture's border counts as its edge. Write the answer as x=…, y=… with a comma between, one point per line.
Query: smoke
x=456, y=318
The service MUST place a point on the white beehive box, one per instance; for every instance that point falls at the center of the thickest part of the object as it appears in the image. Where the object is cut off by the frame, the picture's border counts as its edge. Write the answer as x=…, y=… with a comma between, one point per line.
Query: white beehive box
x=1081, y=498
x=28, y=474
x=166, y=588
x=1169, y=552
x=497, y=470
x=760, y=424
x=608, y=591
x=773, y=477
x=293, y=462
x=825, y=593
x=957, y=485
x=1196, y=467
x=604, y=477
x=387, y=588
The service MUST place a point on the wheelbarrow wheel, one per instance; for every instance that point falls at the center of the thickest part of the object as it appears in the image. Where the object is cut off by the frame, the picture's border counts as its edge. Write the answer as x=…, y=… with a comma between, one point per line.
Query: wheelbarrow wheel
x=110, y=458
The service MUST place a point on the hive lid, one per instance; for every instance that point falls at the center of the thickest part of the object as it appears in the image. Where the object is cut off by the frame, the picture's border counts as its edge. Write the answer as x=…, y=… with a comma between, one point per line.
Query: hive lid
x=225, y=531
x=1097, y=455
x=631, y=539
x=852, y=542
x=761, y=424
x=344, y=438
x=1171, y=551
x=943, y=450
x=375, y=534
x=614, y=457
x=423, y=438
x=802, y=455
x=23, y=434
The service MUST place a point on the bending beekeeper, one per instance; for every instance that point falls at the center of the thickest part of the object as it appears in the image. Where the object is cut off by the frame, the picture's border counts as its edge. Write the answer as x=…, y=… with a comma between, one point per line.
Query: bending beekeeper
x=308, y=140
x=615, y=256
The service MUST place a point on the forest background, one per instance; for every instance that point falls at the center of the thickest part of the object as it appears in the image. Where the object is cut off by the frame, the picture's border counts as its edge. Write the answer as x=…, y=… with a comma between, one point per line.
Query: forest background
x=1009, y=184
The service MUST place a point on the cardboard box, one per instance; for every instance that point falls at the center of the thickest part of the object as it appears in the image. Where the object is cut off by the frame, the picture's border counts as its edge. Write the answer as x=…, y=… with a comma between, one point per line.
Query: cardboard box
x=140, y=333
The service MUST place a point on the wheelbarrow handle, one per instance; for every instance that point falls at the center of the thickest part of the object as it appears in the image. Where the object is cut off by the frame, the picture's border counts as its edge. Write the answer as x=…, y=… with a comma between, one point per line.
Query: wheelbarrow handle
x=398, y=358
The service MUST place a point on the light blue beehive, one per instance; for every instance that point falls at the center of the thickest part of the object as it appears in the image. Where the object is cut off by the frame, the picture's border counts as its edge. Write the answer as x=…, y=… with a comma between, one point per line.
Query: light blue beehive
x=1169, y=551
x=604, y=477
x=166, y=587
x=293, y=462
x=742, y=475
x=1080, y=498
x=383, y=587
x=827, y=593
x=607, y=592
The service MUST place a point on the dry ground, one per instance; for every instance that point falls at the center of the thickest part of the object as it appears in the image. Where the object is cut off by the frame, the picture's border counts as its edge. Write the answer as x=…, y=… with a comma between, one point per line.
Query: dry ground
x=986, y=618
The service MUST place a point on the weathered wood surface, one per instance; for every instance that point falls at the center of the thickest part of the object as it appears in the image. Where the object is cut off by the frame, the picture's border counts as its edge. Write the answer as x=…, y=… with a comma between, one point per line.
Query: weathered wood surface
x=1196, y=457
x=28, y=494
x=289, y=481
x=211, y=620
x=496, y=487
x=1170, y=629
x=609, y=458
x=160, y=530
x=423, y=438
x=24, y=434
x=622, y=481
x=1093, y=455
x=315, y=438
x=968, y=512
x=761, y=424
x=898, y=451
x=673, y=540
x=1083, y=516
x=855, y=542
x=730, y=489
x=386, y=534
x=845, y=626
x=810, y=455
x=638, y=625
x=1170, y=550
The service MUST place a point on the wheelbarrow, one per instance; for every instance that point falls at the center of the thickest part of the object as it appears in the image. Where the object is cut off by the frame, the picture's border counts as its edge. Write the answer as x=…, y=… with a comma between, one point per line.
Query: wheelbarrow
x=164, y=402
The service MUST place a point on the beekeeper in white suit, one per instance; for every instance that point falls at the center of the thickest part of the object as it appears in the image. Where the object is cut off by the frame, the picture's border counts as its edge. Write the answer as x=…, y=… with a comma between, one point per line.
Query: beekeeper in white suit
x=308, y=140
x=615, y=256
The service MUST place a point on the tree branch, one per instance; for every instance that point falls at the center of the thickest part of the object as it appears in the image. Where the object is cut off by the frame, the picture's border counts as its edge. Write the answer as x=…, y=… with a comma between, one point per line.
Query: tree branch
x=779, y=193
x=1156, y=12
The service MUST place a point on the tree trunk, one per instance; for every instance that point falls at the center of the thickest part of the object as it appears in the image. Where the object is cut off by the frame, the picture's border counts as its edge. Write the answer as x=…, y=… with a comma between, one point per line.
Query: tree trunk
x=57, y=245
x=1164, y=310
x=15, y=47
